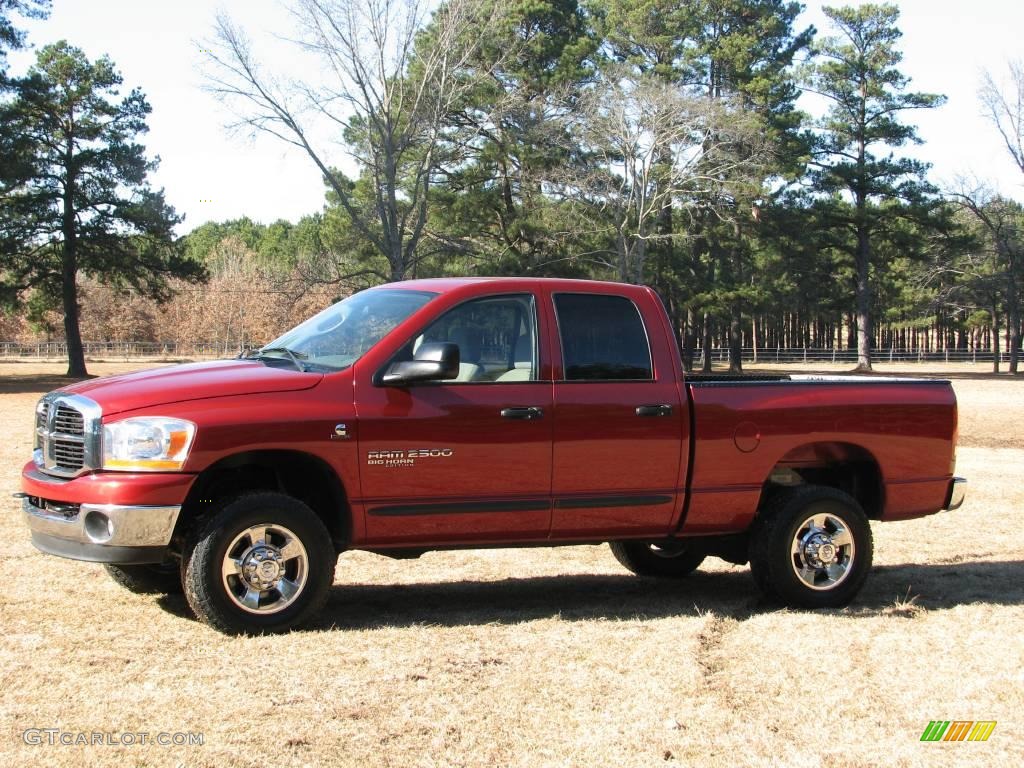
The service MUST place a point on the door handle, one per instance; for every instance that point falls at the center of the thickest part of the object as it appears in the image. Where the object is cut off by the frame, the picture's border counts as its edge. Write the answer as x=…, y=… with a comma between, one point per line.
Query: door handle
x=527, y=414
x=654, y=410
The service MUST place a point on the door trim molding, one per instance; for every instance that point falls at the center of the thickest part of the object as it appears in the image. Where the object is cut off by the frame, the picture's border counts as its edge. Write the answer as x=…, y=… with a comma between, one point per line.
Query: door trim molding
x=524, y=505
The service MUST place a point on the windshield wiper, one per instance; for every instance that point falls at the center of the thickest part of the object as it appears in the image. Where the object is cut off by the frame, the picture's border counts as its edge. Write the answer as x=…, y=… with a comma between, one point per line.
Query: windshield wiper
x=295, y=357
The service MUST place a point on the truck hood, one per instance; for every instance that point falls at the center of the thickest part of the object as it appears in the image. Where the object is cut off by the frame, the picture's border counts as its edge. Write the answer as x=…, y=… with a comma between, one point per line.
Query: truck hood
x=192, y=381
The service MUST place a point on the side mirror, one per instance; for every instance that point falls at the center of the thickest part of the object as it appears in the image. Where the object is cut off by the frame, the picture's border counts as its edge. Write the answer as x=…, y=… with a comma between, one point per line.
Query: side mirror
x=432, y=362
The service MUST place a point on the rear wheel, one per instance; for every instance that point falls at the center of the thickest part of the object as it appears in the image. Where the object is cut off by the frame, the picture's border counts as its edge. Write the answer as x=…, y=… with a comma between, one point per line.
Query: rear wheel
x=666, y=560
x=162, y=579
x=811, y=548
x=263, y=564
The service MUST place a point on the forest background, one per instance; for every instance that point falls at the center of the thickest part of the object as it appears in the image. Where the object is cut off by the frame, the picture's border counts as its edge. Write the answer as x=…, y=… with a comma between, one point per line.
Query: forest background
x=653, y=142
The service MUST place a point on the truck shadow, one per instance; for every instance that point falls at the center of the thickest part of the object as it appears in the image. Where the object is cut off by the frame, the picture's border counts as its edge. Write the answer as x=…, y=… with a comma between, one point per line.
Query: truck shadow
x=898, y=590
x=586, y=597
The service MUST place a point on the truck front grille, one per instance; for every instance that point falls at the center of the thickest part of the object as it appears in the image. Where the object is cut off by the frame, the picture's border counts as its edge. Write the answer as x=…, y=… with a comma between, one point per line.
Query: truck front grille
x=67, y=434
x=69, y=456
x=69, y=421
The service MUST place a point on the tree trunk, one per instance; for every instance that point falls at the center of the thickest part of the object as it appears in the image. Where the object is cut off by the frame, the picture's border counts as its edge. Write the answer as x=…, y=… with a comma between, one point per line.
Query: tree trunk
x=736, y=310
x=689, y=339
x=69, y=284
x=698, y=249
x=863, y=301
x=69, y=295
x=622, y=252
x=995, y=338
x=736, y=339
x=1012, y=319
x=753, y=336
x=706, y=368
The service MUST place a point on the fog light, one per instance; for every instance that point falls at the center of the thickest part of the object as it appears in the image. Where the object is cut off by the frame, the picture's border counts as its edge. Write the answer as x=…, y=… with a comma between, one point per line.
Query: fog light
x=99, y=527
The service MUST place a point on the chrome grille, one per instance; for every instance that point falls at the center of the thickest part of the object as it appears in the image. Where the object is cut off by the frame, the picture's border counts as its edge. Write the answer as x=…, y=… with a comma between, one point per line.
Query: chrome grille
x=68, y=421
x=69, y=456
x=67, y=434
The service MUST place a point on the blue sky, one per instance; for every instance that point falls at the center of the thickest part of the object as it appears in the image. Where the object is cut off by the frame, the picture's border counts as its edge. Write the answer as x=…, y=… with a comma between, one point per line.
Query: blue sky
x=209, y=174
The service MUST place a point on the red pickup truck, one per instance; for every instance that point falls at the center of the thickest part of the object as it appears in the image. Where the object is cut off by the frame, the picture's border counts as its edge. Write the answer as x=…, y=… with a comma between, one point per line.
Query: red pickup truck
x=457, y=413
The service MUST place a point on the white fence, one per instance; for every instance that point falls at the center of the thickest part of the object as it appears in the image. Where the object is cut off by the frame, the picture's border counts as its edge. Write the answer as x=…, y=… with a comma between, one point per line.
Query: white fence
x=823, y=355
x=101, y=350
x=127, y=350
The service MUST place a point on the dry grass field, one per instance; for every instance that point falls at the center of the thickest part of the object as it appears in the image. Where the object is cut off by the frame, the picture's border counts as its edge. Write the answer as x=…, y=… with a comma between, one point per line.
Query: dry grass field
x=541, y=657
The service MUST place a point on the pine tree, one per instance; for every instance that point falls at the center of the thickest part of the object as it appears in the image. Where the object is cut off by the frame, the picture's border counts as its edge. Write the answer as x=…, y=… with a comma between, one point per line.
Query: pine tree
x=81, y=201
x=509, y=133
x=857, y=72
x=12, y=38
x=737, y=52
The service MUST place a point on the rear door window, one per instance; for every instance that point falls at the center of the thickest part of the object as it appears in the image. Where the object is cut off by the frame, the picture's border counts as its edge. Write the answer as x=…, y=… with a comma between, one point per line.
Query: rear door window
x=603, y=338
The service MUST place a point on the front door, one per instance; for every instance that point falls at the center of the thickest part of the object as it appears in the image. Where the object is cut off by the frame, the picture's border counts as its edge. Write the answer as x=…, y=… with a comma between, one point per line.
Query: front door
x=469, y=459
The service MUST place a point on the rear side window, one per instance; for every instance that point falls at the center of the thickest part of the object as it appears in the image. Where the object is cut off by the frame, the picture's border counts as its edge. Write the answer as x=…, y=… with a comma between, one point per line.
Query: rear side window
x=603, y=338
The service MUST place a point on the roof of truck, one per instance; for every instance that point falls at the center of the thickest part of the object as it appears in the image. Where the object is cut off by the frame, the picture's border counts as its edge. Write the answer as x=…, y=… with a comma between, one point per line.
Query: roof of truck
x=445, y=284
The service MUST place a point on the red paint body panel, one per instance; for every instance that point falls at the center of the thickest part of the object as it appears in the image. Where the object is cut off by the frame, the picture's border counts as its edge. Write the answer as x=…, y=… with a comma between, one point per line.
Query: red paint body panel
x=192, y=381
x=589, y=469
x=141, y=488
x=906, y=427
x=603, y=448
x=480, y=456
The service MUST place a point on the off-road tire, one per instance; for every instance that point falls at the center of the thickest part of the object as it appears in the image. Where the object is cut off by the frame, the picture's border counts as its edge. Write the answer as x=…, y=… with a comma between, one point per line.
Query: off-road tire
x=207, y=552
x=646, y=558
x=775, y=566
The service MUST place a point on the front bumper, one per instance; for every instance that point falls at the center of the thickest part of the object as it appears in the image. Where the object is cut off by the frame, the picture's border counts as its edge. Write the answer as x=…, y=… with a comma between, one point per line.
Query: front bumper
x=101, y=533
x=104, y=517
x=956, y=494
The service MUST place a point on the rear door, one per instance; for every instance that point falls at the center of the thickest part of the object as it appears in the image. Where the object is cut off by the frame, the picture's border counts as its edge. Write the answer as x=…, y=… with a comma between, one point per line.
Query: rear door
x=463, y=460
x=619, y=421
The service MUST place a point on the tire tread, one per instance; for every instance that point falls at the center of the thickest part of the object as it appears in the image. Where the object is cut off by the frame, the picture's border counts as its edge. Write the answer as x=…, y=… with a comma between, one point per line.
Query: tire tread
x=769, y=547
x=635, y=556
x=199, y=557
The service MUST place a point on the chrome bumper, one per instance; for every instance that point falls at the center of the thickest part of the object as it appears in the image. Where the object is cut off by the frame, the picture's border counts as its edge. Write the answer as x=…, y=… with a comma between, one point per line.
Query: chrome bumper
x=105, y=533
x=957, y=491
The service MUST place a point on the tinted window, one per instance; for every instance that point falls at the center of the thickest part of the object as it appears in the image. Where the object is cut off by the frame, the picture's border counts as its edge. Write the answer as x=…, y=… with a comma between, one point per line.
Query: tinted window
x=603, y=338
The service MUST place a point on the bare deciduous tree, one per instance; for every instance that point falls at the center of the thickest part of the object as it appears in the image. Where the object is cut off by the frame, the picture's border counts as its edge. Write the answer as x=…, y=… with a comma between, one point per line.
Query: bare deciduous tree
x=644, y=145
x=1003, y=105
x=392, y=72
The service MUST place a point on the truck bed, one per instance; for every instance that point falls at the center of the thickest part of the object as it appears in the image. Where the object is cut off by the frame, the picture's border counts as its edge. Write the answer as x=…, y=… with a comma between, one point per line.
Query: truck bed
x=898, y=434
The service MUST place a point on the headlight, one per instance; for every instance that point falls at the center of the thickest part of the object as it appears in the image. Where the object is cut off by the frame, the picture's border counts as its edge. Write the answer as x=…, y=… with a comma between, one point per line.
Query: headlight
x=147, y=443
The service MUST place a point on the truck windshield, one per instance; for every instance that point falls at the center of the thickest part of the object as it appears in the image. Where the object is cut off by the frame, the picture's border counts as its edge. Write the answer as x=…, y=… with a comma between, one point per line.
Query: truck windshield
x=335, y=338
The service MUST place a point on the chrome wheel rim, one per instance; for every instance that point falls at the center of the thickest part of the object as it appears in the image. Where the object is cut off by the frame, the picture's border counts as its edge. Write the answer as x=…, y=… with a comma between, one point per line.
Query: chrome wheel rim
x=265, y=569
x=822, y=553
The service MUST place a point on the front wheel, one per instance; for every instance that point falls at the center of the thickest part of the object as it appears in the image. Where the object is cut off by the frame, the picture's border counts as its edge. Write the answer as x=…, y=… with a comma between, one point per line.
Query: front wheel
x=665, y=560
x=263, y=564
x=811, y=548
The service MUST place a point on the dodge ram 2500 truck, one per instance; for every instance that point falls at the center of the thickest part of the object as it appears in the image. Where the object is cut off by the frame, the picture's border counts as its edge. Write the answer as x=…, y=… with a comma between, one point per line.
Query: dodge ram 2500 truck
x=448, y=413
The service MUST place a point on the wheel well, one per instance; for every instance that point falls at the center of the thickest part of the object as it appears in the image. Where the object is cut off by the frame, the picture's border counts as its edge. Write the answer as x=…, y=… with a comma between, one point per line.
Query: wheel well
x=300, y=475
x=844, y=466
